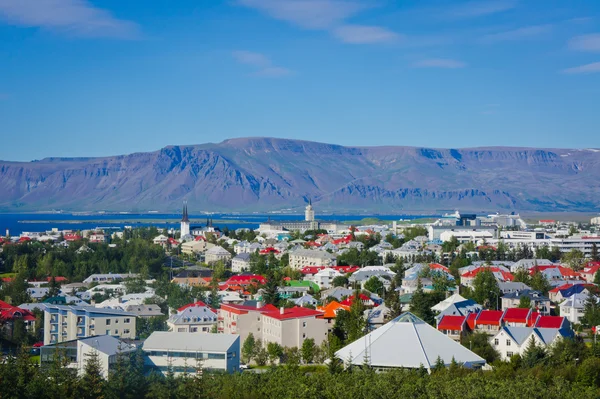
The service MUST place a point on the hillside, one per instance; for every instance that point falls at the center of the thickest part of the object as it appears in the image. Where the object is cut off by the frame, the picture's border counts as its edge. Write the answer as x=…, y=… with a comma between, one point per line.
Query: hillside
x=260, y=174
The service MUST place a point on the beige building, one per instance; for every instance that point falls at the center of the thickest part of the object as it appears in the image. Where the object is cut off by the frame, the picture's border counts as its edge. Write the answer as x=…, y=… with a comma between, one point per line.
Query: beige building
x=195, y=247
x=301, y=258
x=287, y=327
x=66, y=323
x=216, y=254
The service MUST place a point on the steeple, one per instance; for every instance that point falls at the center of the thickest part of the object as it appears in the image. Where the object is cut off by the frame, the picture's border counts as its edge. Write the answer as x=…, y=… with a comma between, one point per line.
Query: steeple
x=185, y=217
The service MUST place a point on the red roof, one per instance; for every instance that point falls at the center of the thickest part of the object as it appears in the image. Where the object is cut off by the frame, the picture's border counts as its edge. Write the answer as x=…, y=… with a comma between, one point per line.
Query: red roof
x=293, y=313
x=311, y=269
x=471, y=320
x=560, y=288
x=24, y=239
x=489, y=317
x=199, y=238
x=564, y=271
x=550, y=322
x=269, y=250
x=455, y=323
x=197, y=304
x=348, y=301
x=246, y=279
x=9, y=312
x=437, y=266
x=344, y=240
x=72, y=237
x=532, y=319
x=346, y=269
x=312, y=244
x=507, y=276
x=516, y=315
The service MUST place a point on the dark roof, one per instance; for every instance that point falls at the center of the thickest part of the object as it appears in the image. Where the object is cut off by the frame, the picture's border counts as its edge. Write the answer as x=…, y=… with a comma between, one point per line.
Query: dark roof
x=532, y=294
x=194, y=273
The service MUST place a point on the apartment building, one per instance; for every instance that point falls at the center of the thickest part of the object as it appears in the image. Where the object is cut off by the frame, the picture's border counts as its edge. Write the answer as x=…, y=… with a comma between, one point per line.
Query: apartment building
x=287, y=327
x=301, y=258
x=583, y=244
x=65, y=323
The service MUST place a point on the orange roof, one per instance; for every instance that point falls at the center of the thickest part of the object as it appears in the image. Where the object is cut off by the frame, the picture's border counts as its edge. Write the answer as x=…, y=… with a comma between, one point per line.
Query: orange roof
x=330, y=310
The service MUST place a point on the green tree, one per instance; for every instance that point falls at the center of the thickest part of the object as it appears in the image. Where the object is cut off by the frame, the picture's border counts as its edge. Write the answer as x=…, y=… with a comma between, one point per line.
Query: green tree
x=134, y=286
x=540, y=283
x=588, y=373
x=308, y=350
x=275, y=351
x=533, y=355
x=485, y=289
x=374, y=285
x=524, y=302
x=356, y=324
x=261, y=355
x=574, y=259
x=249, y=348
x=92, y=384
x=339, y=281
x=392, y=301
x=594, y=254
x=591, y=312
x=420, y=305
x=479, y=343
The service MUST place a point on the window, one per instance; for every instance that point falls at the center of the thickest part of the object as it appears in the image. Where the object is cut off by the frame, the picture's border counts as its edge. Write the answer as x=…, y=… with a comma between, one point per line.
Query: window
x=508, y=342
x=125, y=331
x=107, y=332
x=126, y=321
x=108, y=322
x=509, y=354
x=116, y=321
x=116, y=332
x=496, y=342
x=304, y=324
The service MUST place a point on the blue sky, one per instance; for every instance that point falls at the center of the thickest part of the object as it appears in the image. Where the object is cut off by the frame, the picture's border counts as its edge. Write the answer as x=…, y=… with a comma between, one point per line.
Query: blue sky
x=93, y=78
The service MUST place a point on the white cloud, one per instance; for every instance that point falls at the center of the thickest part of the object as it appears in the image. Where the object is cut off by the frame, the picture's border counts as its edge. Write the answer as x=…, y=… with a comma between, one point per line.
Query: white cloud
x=308, y=14
x=589, y=43
x=74, y=17
x=439, y=63
x=251, y=58
x=480, y=8
x=261, y=63
x=587, y=68
x=517, y=34
x=359, y=34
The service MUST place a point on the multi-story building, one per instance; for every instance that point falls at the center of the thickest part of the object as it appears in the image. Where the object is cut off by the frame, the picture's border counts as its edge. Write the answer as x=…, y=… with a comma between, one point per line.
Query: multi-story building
x=583, y=244
x=216, y=254
x=310, y=257
x=190, y=353
x=287, y=327
x=66, y=323
x=510, y=341
x=193, y=318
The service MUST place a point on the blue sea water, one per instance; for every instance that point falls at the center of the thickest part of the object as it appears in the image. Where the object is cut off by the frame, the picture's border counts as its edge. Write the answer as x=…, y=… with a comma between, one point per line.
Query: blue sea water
x=17, y=223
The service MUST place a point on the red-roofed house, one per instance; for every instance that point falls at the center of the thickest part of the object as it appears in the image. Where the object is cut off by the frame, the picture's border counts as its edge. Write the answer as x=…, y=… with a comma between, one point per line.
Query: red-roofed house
x=552, y=322
x=9, y=314
x=500, y=274
x=287, y=327
x=24, y=239
x=246, y=279
x=516, y=317
x=453, y=326
x=589, y=271
x=72, y=237
x=437, y=266
x=366, y=301
x=533, y=318
x=269, y=250
x=488, y=321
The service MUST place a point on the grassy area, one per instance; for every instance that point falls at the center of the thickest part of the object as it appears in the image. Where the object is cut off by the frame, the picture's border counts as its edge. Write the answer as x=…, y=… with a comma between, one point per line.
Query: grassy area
x=35, y=359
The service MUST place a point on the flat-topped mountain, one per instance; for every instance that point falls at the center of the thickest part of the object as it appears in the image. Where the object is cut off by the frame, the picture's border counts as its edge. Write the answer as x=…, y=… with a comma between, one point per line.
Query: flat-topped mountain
x=261, y=174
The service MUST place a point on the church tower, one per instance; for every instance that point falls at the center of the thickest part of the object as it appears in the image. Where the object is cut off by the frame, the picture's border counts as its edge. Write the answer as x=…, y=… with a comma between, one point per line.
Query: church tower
x=185, y=221
x=309, y=213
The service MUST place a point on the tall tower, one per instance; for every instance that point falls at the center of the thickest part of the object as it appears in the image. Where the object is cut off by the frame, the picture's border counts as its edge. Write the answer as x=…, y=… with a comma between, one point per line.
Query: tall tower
x=185, y=221
x=309, y=213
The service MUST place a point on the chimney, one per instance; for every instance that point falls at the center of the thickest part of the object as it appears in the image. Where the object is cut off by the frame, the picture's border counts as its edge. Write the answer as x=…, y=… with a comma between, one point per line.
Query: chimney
x=281, y=310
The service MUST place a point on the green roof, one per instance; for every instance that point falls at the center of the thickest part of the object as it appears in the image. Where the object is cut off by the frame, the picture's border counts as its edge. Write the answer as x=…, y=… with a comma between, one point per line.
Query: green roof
x=406, y=298
x=304, y=283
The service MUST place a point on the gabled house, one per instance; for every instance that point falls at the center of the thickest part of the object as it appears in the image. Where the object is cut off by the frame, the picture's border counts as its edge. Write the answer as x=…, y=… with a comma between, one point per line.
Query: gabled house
x=510, y=341
x=516, y=317
x=589, y=271
x=538, y=302
x=488, y=321
x=454, y=327
x=377, y=316
x=195, y=317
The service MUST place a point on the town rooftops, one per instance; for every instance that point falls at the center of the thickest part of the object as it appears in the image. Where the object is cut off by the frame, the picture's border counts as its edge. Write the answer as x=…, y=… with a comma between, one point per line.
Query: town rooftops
x=108, y=344
x=516, y=315
x=193, y=304
x=331, y=309
x=186, y=342
x=243, y=279
x=87, y=309
x=551, y=322
x=489, y=317
x=9, y=312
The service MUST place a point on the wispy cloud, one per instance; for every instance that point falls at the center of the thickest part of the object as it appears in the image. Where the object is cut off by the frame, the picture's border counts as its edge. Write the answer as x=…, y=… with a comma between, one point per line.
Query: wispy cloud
x=325, y=15
x=589, y=43
x=446, y=63
x=74, y=17
x=261, y=63
x=309, y=14
x=479, y=8
x=587, y=68
x=359, y=34
x=517, y=34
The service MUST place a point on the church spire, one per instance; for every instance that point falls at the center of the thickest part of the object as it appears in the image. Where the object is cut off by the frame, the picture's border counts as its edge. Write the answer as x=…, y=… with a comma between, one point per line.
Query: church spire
x=185, y=217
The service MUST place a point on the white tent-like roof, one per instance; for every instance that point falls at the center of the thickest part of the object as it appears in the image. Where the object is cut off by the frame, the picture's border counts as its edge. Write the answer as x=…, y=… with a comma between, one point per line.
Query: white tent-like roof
x=440, y=307
x=407, y=342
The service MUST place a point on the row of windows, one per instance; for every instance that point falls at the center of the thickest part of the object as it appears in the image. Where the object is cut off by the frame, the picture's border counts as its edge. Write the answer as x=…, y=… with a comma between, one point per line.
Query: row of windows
x=188, y=355
x=497, y=342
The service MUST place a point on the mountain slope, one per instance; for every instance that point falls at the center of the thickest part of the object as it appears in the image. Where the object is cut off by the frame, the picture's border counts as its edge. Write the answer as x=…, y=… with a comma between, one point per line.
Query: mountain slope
x=265, y=174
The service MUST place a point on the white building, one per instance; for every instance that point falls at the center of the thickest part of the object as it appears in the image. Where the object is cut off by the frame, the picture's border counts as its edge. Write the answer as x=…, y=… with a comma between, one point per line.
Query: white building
x=196, y=318
x=216, y=254
x=309, y=213
x=583, y=244
x=66, y=323
x=324, y=277
x=181, y=352
x=510, y=341
x=240, y=263
x=185, y=222
x=301, y=258
x=110, y=277
x=573, y=307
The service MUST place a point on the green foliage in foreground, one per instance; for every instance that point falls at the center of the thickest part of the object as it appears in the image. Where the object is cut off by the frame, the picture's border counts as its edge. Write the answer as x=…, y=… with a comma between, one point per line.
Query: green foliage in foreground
x=20, y=379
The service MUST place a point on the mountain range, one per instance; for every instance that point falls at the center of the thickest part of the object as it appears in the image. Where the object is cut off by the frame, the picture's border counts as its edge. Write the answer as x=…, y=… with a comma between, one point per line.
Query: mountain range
x=264, y=174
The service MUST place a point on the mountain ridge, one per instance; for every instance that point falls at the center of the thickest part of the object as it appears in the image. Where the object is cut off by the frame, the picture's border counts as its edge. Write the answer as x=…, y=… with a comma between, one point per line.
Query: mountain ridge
x=263, y=173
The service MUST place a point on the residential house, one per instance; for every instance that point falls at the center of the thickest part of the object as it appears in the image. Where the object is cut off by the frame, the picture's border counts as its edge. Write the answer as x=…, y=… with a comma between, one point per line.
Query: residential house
x=488, y=321
x=161, y=240
x=324, y=277
x=300, y=258
x=9, y=314
x=144, y=311
x=573, y=307
x=196, y=247
x=501, y=274
x=537, y=300
x=361, y=276
x=181, y=353
x=240, y=262
x=110, y=277
x=377, y=316
x=512, y=286
x=216, y=254
x=509, y=341
x=516, y=317
x=106, y=348
x=331, y=309
x=339, y=293
x=589, y=271
x=66, y=323
x=305, y=300
x=565, y=291
x=195, y=317
x=454, y=327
